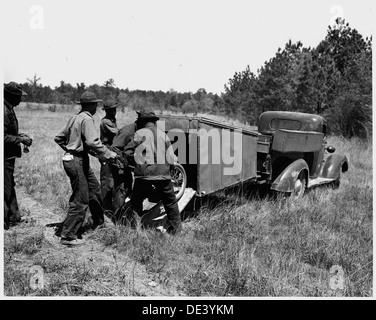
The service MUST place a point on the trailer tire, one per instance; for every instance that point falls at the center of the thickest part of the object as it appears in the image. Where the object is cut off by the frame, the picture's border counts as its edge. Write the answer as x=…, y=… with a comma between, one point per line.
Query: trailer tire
x=178, y=179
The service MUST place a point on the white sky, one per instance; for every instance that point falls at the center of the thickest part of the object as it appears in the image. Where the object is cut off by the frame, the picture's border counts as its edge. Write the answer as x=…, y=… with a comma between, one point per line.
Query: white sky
x=160, y=44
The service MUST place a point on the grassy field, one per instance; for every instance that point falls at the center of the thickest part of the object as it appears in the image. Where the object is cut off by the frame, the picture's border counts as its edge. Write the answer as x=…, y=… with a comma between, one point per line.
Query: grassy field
x=244, y=246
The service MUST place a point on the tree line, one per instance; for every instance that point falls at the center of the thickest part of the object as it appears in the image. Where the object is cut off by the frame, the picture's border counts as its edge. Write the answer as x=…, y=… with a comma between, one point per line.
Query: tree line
x=66, y=93
x=333, y=79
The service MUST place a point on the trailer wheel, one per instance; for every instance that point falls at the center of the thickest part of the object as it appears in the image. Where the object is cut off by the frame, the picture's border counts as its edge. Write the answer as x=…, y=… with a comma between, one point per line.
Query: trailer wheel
x=178, y=179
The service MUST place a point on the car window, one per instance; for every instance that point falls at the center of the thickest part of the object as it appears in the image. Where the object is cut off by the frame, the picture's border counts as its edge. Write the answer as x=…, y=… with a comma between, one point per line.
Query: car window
x=285, y=124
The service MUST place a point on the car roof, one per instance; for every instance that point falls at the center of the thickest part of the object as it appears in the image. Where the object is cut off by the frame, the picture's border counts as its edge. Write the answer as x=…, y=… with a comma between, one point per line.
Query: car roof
x=306, y=121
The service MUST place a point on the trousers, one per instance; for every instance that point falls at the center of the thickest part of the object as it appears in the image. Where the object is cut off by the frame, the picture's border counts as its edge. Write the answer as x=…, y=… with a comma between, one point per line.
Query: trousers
x=107, y=186
x=163, y=190
x=11, y=210
x=116, y=186
x=86, y=193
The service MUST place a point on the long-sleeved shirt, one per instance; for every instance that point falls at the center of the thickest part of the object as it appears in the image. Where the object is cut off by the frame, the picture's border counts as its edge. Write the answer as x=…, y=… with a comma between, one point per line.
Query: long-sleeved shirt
x=80, y=136
x=123, y=137
x=12, y=147
x=153, y=153
x=108, y=130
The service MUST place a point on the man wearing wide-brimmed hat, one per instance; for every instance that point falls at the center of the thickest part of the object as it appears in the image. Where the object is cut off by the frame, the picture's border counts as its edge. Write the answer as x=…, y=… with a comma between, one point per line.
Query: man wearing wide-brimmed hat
x=78, y=139
x=153, y=155
x=13, y=94
x=108, y=130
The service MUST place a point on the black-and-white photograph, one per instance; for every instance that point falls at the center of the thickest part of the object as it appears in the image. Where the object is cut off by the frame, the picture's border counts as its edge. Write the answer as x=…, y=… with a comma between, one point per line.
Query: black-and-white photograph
x=187, y=149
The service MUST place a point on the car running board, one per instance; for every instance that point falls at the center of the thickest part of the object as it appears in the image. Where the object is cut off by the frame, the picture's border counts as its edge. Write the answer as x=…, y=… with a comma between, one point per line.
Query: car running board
x=319, y=181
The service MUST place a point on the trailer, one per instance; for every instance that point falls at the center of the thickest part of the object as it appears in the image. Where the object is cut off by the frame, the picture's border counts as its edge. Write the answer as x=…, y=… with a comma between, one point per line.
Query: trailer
x=212, y=156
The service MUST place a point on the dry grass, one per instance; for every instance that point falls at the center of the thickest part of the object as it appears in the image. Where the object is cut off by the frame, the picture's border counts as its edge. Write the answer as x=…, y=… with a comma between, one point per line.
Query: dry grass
x=242, y=247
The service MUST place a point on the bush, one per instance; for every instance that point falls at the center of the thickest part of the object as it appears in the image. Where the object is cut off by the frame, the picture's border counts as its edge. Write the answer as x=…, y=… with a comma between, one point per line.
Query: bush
x=191, y=106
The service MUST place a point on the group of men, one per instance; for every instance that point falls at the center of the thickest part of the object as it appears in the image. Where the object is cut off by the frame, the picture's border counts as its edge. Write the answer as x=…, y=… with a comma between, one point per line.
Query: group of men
x=112, y=146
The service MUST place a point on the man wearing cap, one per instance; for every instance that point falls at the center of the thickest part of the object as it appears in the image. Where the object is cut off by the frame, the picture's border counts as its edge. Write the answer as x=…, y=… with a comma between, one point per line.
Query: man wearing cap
x=153, y=155
x=108, y=130
x=12, y=149
x=78, y=139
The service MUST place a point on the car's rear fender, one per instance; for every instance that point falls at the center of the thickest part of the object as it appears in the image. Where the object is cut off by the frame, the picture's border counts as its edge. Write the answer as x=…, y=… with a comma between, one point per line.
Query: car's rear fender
x=285, y=182
x=334, y=164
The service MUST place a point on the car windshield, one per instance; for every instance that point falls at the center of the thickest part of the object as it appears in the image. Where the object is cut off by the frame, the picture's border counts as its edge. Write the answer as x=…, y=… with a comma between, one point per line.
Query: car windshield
x=277, y=124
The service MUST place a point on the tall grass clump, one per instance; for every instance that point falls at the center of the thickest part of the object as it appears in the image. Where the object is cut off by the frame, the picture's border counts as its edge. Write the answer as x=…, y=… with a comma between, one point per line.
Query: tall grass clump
x=18, y=243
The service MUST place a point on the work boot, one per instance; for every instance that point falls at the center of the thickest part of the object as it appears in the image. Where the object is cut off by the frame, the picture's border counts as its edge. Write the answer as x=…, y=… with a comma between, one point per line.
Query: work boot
x=98, y=225
x=174, y=230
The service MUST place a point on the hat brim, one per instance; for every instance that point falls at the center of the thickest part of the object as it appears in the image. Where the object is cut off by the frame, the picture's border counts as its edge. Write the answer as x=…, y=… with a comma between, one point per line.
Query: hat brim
x=147, y=118
x=23, y=93
x=94, y=101
x=111, y=107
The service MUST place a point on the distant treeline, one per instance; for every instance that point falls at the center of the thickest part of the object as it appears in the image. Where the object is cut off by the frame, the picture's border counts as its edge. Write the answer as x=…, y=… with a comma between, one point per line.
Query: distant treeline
x=333, y=79
x=188, y=102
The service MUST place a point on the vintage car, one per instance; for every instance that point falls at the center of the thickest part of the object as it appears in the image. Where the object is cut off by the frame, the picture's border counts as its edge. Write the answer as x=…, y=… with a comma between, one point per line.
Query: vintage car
x=292, y=153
